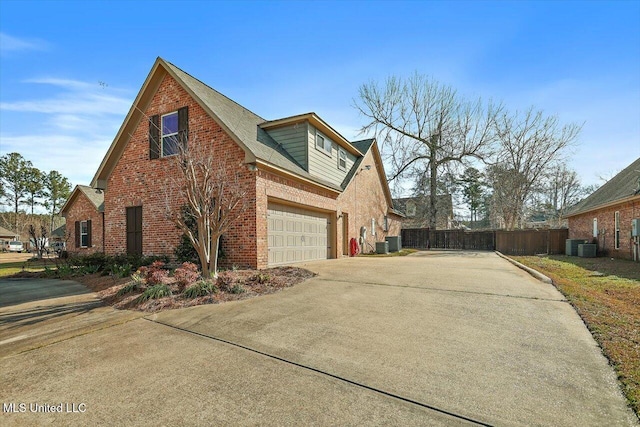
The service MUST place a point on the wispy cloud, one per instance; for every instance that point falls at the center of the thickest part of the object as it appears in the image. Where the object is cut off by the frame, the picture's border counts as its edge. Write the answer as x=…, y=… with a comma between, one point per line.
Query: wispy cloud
x=14, y=44
x=76, y=157
x=77, y=97
x=68, y=131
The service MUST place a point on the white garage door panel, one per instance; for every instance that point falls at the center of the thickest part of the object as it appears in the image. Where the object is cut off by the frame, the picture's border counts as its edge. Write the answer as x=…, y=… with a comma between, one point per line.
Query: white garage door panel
x=296, y=235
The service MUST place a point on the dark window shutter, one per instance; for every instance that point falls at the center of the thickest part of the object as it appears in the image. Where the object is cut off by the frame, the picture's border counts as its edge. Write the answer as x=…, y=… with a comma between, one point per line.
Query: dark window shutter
x=77, y=236
x=154, y=137
x=88, y=233
x=183, y=126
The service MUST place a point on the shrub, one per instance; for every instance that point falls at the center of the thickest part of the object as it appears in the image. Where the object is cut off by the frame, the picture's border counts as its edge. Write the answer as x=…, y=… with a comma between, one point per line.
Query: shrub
x=97, y=261
x=120, y=271
x=65, y=270
x=89, y=269
x=261, y=278
x=225, y=281
x=186, y=274
x=155, y=292
x=154, y=274
x=201, y=288
x=49, y=272
x=237, y=289
x=130, y=287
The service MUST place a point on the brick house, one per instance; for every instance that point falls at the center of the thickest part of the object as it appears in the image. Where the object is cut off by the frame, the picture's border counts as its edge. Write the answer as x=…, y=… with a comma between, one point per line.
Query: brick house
x=605, y=216
x=310, y=189
x=416, y=210
x=84, y=213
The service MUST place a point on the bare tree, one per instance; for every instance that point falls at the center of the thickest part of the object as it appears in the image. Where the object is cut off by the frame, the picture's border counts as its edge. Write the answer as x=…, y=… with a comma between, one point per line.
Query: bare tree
x=214, y=198
x=424, y=126
x=530, y=143
x=40, y=242
x=562, y=190
x=504, y=183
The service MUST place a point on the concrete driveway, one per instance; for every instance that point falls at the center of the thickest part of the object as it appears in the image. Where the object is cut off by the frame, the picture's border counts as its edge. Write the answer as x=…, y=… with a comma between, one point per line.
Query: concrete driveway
x=449, y=338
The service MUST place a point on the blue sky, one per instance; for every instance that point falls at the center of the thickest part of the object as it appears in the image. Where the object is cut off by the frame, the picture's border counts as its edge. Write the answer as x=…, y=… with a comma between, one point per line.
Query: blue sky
x=69, y=71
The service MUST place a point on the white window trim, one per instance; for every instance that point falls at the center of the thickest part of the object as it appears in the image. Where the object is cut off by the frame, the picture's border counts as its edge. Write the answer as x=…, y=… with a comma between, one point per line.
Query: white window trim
x=324, y=144
x=595, y=227
x=163, y=136
x=373, y=226
x=85, y=233
x=342, y=156
x=616, y=230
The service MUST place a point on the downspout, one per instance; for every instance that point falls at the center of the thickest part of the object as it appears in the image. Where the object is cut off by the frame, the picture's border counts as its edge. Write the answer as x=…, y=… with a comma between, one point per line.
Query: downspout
x=103, y=236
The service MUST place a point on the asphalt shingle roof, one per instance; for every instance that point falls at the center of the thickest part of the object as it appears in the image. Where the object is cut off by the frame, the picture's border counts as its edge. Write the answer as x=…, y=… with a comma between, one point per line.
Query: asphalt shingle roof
x=95, y=196
x=623, y=185
x=6, y=233
x=244, y=124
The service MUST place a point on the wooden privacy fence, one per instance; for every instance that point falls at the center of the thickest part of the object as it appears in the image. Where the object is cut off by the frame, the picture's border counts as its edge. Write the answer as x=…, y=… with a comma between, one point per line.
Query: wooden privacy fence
x=518, y=242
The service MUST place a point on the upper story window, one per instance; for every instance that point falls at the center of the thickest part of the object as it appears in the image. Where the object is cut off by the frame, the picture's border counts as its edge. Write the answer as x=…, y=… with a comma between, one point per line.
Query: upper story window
x=167, y=133
x=323, y=144
x=342, y=159
x=170, y=134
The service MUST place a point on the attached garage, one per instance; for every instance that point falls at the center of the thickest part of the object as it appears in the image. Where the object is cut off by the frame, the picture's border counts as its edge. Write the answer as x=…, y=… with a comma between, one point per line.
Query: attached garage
x=296, y=234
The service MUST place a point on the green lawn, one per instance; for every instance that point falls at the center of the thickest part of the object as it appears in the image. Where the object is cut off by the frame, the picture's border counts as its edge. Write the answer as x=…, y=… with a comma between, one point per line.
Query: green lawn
x=606, y=294
x=402, y=252
x=11, y=268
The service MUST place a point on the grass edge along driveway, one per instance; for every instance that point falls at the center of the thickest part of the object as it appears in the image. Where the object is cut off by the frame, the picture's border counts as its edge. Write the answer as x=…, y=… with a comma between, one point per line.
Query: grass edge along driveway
x=606, y=294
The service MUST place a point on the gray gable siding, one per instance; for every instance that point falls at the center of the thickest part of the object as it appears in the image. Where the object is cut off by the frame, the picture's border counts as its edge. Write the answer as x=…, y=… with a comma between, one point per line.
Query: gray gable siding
x=322, y=165
x=294, y=140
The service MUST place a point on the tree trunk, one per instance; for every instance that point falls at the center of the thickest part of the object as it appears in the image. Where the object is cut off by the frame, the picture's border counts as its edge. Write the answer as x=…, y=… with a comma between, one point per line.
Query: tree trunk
x=433, y=184
x=213, y=262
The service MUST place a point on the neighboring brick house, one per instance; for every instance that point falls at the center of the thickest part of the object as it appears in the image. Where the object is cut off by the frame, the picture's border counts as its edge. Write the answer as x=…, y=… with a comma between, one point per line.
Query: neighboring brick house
x=605, y=216
x=84, y=214
x=311, y=190
x=416, y=210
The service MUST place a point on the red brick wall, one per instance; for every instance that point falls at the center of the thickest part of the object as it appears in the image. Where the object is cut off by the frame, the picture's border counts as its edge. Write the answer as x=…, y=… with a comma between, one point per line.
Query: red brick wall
x=138, y=181
x=362, y=200
x=82, y=210
x=581, y=227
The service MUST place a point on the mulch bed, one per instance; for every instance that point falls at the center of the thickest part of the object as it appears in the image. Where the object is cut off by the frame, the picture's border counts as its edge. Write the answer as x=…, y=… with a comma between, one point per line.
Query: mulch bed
x=253, y=283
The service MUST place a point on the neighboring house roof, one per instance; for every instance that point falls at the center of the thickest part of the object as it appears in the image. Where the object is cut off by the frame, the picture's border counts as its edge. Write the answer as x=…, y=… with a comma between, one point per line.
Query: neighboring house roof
x=418, y=217
x=95, y=196
x=60, y=231
x=246, y=128
x=621, y=188
x=6, y=233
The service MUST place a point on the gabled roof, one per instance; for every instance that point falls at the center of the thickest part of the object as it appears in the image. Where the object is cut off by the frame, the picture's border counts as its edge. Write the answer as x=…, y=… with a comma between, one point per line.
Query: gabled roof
x=619, y=189
x=318, y=123
x=6, y=233
x=60, y=231
x=246, y=128
x=240, y=123
x=95, y=196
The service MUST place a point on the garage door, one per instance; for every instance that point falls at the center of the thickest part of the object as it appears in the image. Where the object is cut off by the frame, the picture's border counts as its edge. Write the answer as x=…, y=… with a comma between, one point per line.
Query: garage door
x=296, y=234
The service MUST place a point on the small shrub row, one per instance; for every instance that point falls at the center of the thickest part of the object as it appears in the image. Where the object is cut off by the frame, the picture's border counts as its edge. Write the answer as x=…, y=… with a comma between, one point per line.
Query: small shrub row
x=200, y=289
